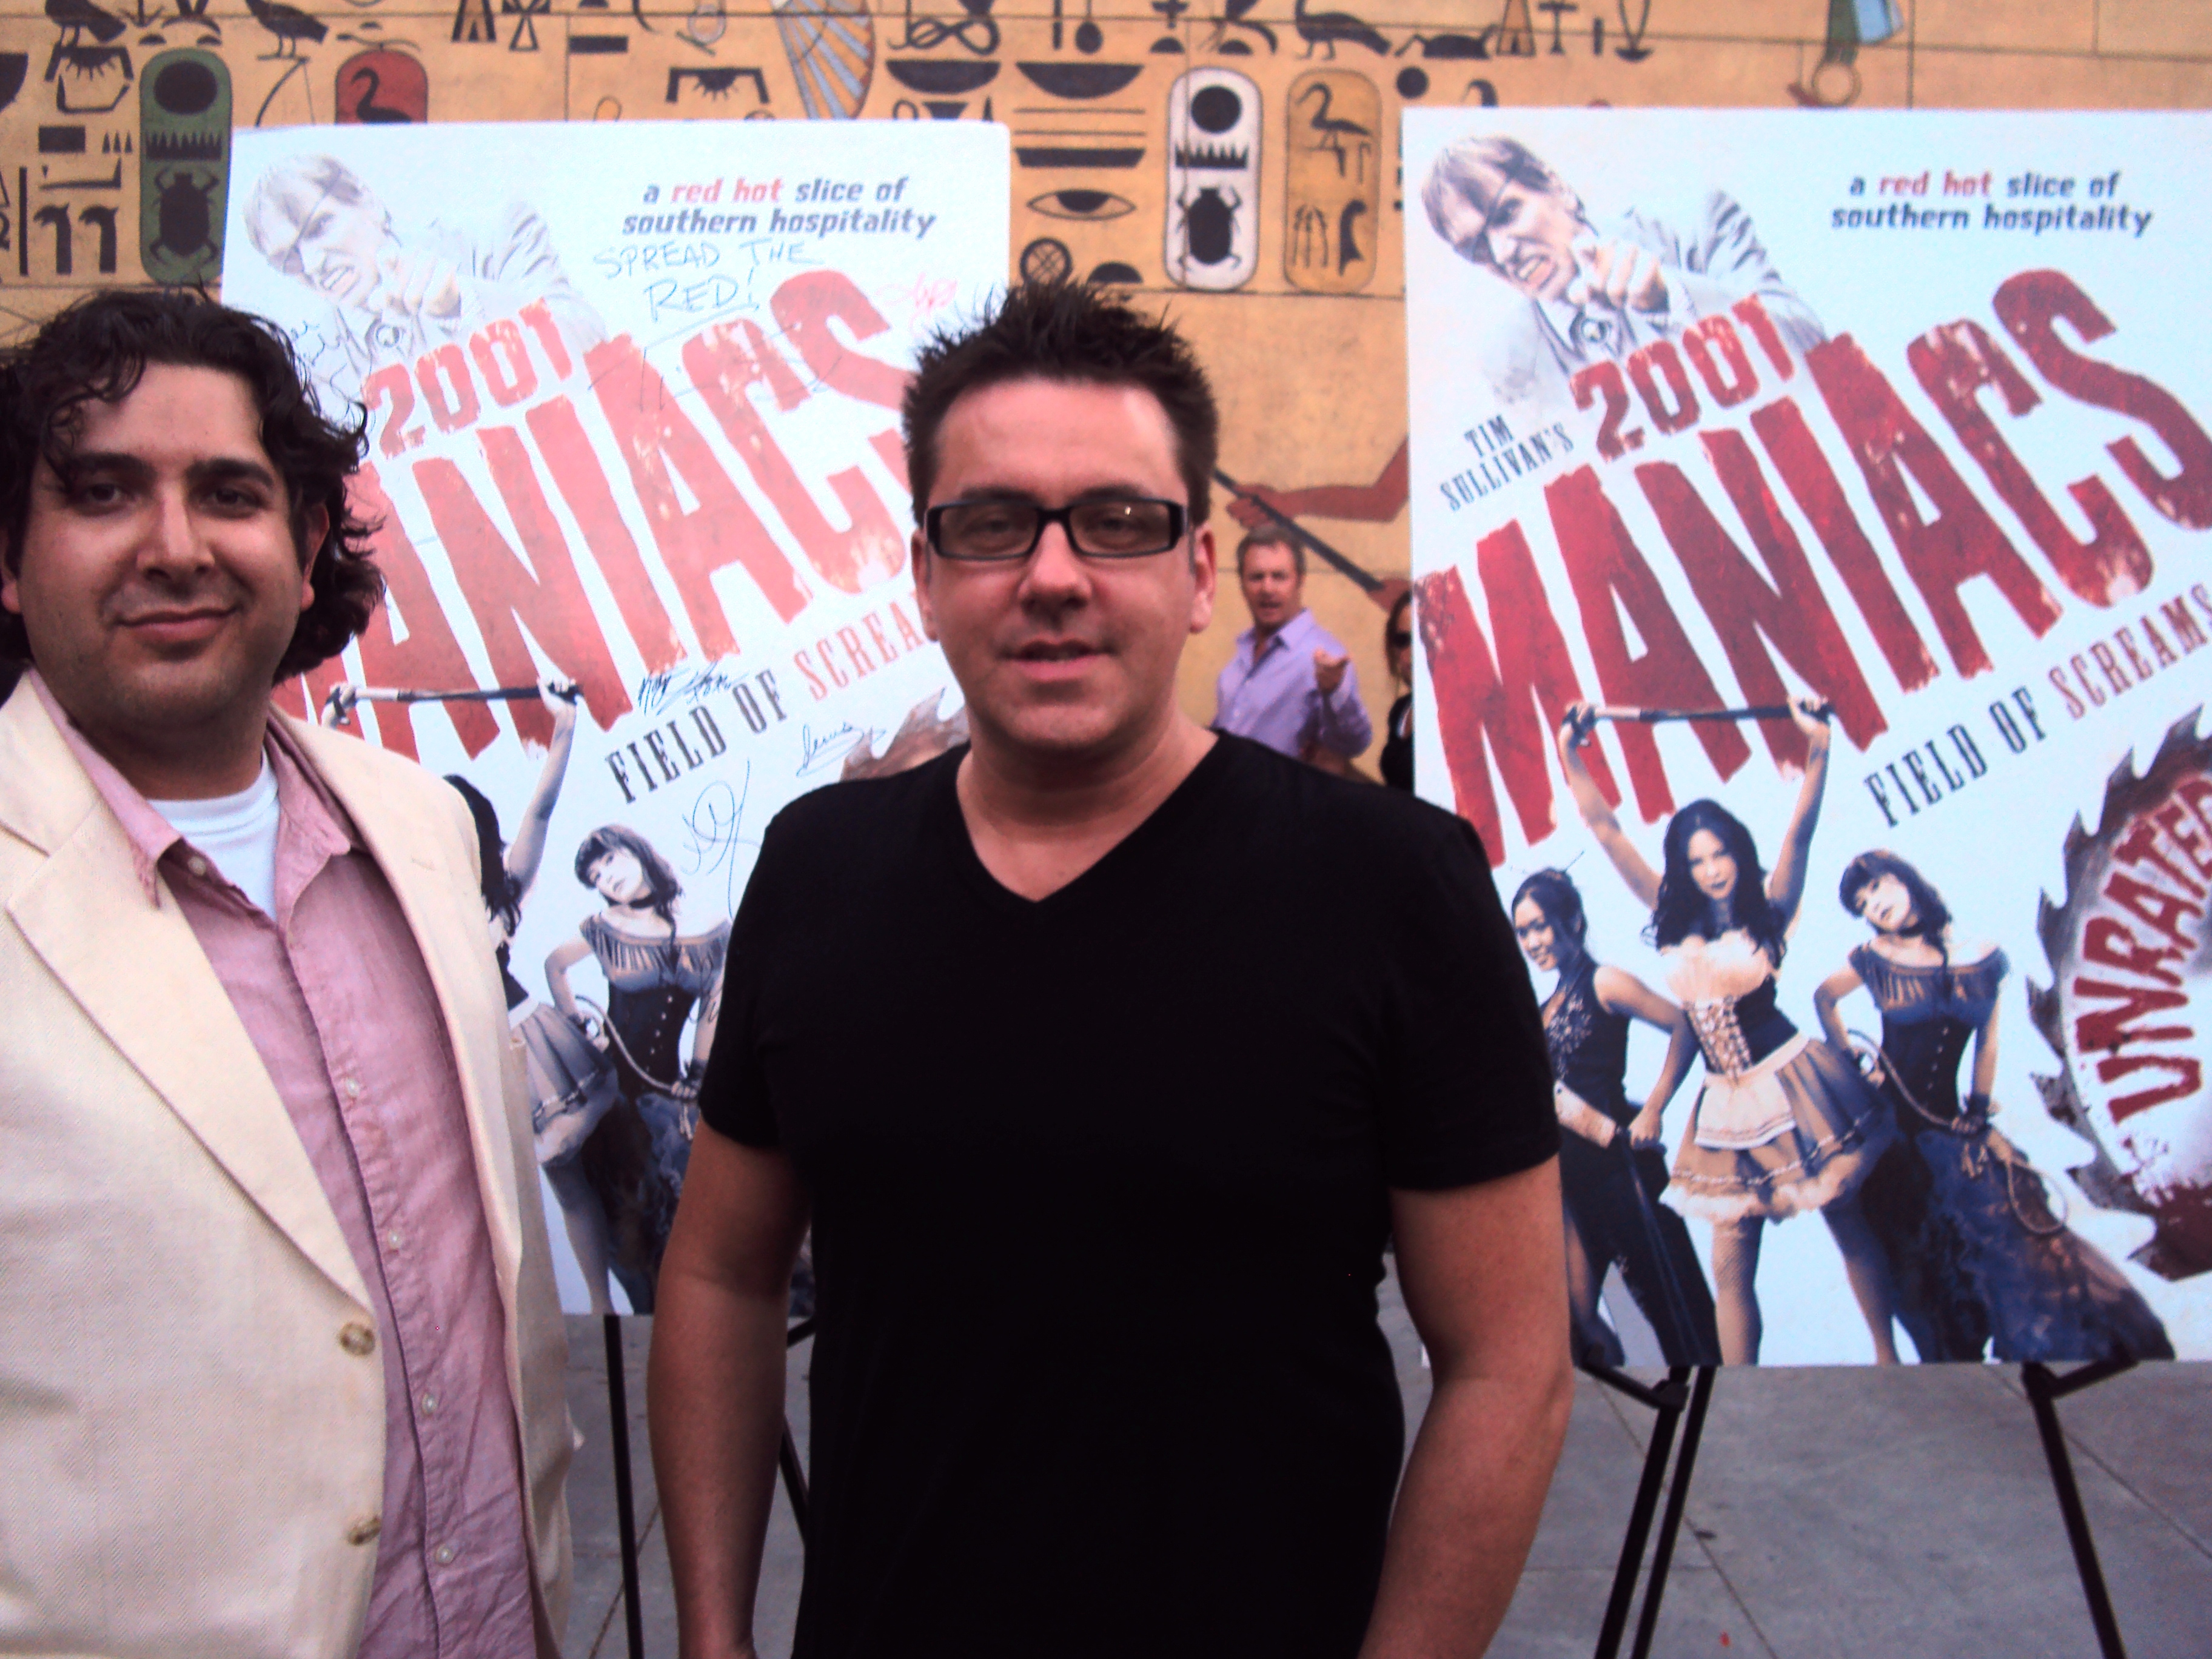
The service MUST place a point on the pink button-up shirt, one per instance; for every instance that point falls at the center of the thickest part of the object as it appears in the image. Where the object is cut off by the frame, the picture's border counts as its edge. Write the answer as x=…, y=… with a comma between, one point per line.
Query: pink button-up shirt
x=335, y=995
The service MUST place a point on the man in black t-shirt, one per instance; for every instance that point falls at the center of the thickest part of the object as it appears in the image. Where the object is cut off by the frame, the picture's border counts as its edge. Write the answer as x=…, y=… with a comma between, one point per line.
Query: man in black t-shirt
x=1104, y=1055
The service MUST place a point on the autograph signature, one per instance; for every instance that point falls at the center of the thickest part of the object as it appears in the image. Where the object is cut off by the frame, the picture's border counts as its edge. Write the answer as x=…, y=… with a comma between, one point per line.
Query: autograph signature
x=828, y=748
x=715, y=829
x=671, y=685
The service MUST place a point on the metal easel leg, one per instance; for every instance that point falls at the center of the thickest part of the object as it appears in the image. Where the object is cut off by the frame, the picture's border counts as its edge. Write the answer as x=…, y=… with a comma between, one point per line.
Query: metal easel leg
x=625, y=1510
x=1670, y=1524
x=2045, y=1388
x=1668, y=1399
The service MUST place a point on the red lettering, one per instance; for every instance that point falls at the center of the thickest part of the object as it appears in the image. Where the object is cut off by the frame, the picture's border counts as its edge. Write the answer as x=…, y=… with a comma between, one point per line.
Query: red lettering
x=1701, y=339
x=519, y=379
x=1603, y=380
x=543, y=595
x=874, y=624
x=2074, y=704
x=1610, y=576
x=655, y=434
x=2107, y=1028
x=1953, y=364
x=1752, y=315
x=1962, y=541
x=2031, y=304
x=1747, y=611
x=1797, y=457
x=1661, y=354
x=725, y=363
x=807, y=304
x=863, y=664
x=806, y=670
x=2160, y=911
x=1478, y=699
x=548, y=331
x=2189, y=1077
x=433, y=371
x=393, y=384
x=429, y=655
x=2108, y=943
x=582, y=483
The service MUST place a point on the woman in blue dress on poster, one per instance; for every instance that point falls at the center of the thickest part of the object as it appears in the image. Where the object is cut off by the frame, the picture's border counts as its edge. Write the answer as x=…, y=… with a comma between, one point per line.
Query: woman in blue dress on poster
x=2009, y=1271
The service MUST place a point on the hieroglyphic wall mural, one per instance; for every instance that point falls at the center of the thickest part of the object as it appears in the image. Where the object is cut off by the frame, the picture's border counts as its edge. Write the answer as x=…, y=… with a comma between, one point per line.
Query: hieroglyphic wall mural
x=1237, y=158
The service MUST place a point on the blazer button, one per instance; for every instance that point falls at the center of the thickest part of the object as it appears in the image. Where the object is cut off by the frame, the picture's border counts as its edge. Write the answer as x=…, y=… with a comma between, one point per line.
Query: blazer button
x=364, y=1530
x=357, y=1338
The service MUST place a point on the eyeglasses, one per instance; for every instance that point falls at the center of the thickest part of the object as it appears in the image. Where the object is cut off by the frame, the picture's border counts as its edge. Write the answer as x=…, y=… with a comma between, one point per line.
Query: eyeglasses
x=1400, y=640
x=1108, y=528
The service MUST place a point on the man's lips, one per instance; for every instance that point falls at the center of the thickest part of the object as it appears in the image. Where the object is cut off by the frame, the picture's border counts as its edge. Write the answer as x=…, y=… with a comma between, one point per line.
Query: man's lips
x=1054, y=659
x=176, y=624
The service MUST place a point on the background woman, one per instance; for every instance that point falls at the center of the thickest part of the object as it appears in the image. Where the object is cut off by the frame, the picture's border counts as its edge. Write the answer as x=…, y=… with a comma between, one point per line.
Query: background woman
x=1784, y=1123
x=655, y=976
x=1397, y=757
x=2027, y=1283
x=571, y=1085
x=1611, y=1192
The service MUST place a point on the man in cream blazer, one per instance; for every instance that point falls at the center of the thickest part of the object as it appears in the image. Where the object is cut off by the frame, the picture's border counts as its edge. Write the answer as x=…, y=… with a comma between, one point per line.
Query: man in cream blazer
x=199, y=1349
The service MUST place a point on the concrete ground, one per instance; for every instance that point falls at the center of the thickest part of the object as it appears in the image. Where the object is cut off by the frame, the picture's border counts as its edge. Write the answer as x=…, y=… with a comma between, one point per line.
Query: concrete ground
x=1835, y=1514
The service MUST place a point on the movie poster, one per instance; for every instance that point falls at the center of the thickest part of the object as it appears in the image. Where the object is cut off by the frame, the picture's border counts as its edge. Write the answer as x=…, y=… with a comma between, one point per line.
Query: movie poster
x=1815, y=616
x=632, y=397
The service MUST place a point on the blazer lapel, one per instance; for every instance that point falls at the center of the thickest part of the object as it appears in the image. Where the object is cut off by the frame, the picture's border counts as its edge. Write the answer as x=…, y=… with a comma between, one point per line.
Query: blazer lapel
x=138, y=972
x=444, y=910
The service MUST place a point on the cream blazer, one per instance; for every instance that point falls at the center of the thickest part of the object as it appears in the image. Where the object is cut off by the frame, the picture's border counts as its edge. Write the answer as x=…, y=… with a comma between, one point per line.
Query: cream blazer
x=192, y=1461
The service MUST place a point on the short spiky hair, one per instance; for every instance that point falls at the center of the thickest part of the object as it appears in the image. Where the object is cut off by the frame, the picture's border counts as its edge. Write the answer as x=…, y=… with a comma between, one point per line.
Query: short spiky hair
x=96, y=350
x=1067, y=332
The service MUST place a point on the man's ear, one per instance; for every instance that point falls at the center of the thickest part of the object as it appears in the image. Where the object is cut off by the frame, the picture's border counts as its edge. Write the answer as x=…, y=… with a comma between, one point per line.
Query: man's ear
x=918, y=546
x=1204, y=557
x=8, y=598
x=315, y=528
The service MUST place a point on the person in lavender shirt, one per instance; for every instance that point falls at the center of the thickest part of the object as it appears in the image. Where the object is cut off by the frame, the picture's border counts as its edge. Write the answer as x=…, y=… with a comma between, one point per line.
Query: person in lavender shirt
x=1291, y=684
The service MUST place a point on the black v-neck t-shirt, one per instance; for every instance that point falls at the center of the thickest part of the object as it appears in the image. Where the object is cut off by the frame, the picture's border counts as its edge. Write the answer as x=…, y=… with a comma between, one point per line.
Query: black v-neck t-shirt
x=1099, y=1197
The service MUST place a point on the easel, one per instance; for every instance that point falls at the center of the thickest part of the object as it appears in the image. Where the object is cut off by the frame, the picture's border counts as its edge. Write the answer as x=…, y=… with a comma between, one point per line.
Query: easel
x=2045, y=1388
x=794, y=1472
x=1687, y=1390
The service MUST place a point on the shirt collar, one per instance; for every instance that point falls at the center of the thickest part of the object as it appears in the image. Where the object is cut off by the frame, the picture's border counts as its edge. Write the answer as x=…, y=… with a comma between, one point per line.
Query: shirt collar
x=1292, y=633
x=303, y=800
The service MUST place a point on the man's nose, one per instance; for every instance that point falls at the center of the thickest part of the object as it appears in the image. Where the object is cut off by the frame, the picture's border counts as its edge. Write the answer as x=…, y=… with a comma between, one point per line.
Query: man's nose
x=1055, y=572
x=175, y=540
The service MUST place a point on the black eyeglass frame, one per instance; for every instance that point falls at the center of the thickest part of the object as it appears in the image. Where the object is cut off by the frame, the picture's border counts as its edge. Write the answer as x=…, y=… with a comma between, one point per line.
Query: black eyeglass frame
x=1178, y=526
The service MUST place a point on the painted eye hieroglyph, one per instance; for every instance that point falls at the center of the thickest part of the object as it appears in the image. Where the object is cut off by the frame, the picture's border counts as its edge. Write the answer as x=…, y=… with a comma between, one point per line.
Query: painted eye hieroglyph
x=1095, y=205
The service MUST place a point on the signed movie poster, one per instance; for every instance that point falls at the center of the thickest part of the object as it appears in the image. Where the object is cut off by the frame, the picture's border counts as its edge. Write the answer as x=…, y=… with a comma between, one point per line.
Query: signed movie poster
x=632, y=396
x=1812, y=572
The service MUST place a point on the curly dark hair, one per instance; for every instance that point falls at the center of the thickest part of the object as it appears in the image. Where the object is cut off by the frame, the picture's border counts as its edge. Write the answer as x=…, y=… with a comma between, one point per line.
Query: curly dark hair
x=1683, y=907
x=1078, y=334
x=96, y=350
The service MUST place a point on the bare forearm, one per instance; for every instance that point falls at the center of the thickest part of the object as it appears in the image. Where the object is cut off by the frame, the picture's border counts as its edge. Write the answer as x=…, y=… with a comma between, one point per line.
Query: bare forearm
x=715, y=1400
x=1467, y=1511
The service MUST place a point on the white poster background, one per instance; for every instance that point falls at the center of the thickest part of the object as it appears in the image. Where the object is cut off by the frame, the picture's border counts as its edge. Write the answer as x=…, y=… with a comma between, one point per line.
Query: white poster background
x=664, y=231
x=1994, y=848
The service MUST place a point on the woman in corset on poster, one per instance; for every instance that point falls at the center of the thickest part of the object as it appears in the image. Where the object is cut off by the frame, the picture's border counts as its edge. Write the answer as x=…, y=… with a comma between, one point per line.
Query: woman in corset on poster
x=656, y=975
x=1784, y=1123
x=2009, y=1273
x=1612, y=1189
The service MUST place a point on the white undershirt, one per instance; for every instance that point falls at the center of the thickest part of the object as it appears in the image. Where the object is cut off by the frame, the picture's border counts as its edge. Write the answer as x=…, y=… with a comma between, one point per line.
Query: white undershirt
x=238, y=834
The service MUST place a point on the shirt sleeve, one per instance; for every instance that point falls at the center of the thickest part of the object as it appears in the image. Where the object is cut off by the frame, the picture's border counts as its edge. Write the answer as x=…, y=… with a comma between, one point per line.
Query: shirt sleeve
x=734, y=1100
x=1340, y=719
x=1467, y=1082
